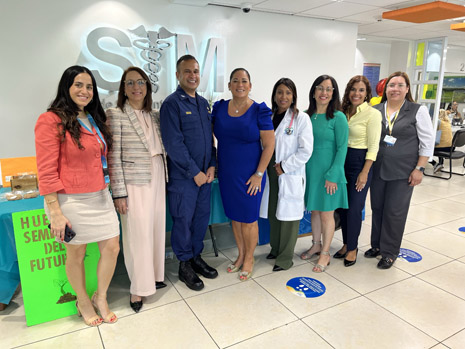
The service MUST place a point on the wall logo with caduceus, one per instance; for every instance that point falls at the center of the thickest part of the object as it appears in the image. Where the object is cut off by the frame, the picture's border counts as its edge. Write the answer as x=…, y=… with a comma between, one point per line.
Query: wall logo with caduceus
x=152, y=45
x=107, y=52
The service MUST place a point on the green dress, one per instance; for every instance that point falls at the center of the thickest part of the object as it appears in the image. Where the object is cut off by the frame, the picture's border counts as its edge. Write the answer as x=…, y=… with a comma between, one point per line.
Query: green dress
x=330, y=139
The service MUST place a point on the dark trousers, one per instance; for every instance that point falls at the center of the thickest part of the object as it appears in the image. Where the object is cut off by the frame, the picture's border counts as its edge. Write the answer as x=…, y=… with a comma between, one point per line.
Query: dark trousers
x=190, y=208
x=351, y=218
x=283, y=234
x=441, y=160
x=390, y=201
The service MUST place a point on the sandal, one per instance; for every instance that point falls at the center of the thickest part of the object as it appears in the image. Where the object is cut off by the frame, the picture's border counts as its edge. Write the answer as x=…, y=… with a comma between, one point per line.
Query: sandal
x=232, y=268
x=321, y=268
x=246, y=275
x=94, y=321
x=111, y=317
x=307, y=254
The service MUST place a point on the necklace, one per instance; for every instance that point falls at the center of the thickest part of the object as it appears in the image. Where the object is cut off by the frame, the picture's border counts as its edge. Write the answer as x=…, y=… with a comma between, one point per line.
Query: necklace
x=238, y=108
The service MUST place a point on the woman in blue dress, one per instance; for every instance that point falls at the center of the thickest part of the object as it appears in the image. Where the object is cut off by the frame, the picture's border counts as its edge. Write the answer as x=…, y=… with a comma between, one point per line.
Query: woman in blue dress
x=243, y=128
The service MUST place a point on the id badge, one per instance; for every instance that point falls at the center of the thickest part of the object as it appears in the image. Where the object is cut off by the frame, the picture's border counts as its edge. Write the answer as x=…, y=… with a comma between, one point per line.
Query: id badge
x=106, y=175
x=389, y=140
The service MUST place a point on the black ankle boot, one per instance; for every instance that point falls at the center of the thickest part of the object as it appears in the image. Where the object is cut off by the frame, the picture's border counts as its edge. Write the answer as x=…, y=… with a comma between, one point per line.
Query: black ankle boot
x=189, y=277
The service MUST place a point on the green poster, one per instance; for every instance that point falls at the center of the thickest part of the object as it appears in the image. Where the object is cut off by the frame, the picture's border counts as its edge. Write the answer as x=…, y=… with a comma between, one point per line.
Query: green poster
x=47, y=293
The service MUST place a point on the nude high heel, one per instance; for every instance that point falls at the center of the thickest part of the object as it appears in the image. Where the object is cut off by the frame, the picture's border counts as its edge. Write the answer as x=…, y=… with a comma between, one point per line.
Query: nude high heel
x=111, y=317
x=94, y=321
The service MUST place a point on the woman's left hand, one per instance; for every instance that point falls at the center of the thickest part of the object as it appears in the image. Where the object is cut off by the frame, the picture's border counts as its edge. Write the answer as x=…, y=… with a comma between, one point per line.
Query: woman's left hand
x=361, y=181
x=415, y=178
x=255, y=185
x=331, y=187
x=278, y=168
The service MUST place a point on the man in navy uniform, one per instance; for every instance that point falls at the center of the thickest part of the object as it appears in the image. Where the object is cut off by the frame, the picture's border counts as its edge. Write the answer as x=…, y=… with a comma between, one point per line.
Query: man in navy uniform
x=187, y=135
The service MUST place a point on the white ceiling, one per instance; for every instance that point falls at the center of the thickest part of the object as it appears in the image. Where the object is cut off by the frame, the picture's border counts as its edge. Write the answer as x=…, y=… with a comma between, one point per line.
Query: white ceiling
x=366, y=13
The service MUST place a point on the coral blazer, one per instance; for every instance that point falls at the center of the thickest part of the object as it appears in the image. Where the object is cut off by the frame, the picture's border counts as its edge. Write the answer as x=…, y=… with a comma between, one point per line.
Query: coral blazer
x=62, y=166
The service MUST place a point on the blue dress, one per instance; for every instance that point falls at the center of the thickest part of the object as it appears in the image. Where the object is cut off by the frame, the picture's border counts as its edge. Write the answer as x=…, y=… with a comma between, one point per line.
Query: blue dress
x=239, y=152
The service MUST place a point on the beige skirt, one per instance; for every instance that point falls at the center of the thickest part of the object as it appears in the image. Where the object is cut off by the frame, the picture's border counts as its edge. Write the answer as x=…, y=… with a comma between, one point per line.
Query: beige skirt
x=92, y=215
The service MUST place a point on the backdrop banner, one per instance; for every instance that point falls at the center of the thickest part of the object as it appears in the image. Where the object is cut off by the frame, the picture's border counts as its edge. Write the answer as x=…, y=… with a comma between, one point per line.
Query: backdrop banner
x=46, y=291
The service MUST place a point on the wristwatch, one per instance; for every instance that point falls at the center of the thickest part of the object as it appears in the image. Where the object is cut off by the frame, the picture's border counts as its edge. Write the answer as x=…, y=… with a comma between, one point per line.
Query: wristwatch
x=259, y=174
x=419, y=168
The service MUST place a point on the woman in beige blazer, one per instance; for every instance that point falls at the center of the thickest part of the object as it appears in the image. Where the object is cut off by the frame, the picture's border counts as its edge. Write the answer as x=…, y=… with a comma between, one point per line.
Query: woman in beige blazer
x=138, y=174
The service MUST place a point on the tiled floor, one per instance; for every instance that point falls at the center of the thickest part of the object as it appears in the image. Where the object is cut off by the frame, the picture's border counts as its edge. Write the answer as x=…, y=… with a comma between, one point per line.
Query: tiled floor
x=412, y=305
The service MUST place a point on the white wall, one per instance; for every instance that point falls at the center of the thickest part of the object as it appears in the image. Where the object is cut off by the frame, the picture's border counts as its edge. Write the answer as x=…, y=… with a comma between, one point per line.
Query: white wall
x=40, y=39
x=373, y=52
x=455, y=60
x=399, y=56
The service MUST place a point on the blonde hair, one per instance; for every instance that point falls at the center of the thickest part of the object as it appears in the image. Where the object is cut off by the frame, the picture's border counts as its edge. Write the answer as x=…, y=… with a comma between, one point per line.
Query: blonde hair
x=442, y=115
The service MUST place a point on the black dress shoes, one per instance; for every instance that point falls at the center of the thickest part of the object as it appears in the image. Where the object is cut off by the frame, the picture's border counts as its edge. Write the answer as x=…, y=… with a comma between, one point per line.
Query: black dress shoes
x=202, y=268
x=159, y=284
x=277, y=268
x=372, y=253
x=270, y=256
x=348, y=263
x=189, y=277
x=136, y=306
x=385, y=263
x=340, y=255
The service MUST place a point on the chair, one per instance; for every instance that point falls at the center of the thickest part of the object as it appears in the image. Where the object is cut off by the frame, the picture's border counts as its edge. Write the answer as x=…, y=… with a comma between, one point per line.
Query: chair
x=457, y=142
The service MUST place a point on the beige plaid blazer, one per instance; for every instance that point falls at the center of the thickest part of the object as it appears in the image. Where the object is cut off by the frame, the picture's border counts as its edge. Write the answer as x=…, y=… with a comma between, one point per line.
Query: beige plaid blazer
x=129, y=161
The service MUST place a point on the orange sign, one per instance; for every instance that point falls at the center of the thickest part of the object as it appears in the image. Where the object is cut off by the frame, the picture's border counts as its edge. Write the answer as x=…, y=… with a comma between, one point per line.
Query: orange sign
x=14, y=166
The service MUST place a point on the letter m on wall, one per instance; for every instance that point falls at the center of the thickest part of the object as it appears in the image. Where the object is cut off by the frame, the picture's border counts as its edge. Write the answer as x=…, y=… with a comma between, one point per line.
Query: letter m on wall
x=213, y=60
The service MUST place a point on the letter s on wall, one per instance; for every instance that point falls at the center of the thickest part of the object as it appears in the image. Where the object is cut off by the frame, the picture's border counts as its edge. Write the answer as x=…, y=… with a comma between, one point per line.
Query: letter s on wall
x=106, y=56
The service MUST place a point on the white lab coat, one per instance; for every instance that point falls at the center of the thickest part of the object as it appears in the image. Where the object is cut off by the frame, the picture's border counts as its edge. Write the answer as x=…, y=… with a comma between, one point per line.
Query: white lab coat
x=293, y=151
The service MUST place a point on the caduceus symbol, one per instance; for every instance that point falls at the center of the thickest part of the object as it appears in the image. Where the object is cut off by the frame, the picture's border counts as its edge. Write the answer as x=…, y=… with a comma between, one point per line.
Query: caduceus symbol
x=152, y=44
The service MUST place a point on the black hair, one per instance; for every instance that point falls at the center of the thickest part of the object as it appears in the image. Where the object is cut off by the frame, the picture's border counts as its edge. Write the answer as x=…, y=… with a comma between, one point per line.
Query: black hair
x=291, y=86
x=239, y=69
x=334, y=104
x=68, y=111
x=185, y=58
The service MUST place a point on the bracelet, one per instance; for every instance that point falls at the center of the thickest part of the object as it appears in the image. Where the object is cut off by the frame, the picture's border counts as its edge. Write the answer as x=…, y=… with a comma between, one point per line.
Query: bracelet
x=259, y=174
x=51, y=201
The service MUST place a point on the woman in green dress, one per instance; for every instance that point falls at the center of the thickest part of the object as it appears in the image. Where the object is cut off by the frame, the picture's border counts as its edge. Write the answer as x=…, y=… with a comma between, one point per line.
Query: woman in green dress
x=326, y=188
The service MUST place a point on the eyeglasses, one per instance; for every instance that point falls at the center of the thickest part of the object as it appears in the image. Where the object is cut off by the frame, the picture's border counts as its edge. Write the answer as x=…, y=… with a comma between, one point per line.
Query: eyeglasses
x=132, y=83
x=327, y=89
x=391, y=86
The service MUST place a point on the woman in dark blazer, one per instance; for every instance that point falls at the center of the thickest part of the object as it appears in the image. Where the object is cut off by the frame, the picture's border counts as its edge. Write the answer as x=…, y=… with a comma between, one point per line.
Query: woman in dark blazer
x=407, y=141
x=138, y=175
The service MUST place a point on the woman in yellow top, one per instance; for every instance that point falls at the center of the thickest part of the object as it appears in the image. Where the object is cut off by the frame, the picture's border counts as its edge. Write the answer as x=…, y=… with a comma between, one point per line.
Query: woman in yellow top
x=445, y=142
x=364, y=133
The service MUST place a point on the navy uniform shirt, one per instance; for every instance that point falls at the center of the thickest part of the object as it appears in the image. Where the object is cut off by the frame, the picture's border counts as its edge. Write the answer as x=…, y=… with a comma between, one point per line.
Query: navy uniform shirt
x=186, y=131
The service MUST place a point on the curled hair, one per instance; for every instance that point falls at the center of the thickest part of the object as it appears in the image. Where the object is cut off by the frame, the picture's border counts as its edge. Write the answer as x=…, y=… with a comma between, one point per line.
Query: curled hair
x=334, y=104
x=408, y=97
x=68, y=111
x=443, y=115
x=147, y=106
x=239, y=69
x=291, y=86
x=346, y=101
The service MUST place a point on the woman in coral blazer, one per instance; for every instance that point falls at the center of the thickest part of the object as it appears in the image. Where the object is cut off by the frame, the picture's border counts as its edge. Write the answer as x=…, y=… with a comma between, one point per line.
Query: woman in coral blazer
x=72, y=141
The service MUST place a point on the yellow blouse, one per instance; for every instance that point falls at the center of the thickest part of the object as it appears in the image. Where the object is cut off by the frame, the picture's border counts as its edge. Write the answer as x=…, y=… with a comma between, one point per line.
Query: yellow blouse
x=365, y=130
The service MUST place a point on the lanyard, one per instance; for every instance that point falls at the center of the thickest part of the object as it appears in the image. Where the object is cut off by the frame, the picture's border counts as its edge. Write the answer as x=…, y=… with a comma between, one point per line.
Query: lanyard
x=94, y=125
x=396, y=114
x=289, y=130
x=101, y=141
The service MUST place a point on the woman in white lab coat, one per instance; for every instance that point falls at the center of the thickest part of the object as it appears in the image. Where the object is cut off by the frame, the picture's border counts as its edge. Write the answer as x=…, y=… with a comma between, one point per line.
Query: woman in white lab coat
x=283, y=197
